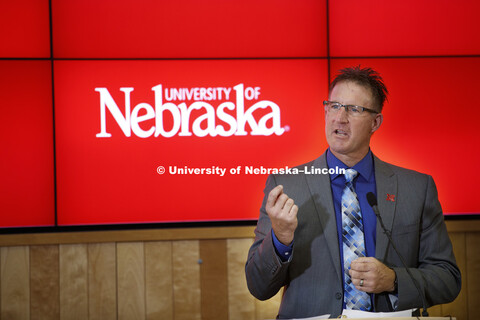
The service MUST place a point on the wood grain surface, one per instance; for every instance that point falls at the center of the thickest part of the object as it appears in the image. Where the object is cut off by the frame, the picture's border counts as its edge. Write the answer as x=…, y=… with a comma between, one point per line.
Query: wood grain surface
x=186, y=280
x=159, y=280
x=15, y=283
x=241, y=304
x=131, y=281
x=102, y=281
x=44, y=283
x=73, y=282
x=213, y=279
x=203, y=278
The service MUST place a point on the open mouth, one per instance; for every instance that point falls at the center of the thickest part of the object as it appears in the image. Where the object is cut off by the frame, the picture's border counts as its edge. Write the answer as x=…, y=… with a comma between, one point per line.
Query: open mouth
x=340, y=132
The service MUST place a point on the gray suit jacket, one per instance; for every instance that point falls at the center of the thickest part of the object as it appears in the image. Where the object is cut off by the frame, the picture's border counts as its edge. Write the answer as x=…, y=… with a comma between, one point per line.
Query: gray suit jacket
x=312, y=279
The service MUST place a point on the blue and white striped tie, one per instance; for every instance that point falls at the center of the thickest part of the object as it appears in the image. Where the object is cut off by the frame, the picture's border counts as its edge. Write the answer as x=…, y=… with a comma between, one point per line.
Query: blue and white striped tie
x=353, y=243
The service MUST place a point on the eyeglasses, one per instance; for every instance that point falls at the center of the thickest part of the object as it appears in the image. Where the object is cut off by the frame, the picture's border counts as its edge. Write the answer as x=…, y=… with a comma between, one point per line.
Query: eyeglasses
x=334, y=107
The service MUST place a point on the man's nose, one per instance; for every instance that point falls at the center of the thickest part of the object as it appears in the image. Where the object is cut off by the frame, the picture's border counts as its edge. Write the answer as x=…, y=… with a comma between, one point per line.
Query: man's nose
x=342, y=115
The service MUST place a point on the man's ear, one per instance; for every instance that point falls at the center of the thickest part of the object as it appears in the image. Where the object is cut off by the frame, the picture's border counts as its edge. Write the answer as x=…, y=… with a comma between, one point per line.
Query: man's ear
x=377, y=122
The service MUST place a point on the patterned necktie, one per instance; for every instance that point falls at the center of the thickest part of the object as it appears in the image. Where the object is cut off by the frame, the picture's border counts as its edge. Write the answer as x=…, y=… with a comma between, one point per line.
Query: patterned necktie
x=353, y=243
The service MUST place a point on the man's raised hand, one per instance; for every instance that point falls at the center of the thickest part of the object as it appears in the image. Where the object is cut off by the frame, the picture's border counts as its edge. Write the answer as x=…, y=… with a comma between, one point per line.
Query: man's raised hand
x=282, y=212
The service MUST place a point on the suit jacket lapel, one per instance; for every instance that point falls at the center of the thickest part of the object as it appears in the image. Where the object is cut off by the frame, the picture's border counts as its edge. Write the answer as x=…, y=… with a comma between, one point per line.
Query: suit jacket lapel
x=386, y=181
x=320, y=189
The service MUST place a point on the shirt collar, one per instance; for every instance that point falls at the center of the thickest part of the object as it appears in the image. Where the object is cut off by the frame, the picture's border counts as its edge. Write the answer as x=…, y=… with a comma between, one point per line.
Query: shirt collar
x=364, y=167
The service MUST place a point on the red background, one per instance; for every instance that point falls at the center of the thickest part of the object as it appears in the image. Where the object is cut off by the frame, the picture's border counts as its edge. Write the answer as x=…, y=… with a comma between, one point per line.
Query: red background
x=26, y=135
x=189, y=29
x=428, y=53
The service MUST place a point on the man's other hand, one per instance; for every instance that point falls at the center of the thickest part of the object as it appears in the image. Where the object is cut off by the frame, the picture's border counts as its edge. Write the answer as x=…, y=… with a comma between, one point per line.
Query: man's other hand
x=374, y=276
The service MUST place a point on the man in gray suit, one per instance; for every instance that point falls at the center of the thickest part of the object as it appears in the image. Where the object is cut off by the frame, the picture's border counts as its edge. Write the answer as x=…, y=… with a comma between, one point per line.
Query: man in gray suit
x=301, y=241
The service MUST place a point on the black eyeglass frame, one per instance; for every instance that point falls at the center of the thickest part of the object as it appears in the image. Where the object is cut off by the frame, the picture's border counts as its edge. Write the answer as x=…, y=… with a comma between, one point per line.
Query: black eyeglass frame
x=349, y=107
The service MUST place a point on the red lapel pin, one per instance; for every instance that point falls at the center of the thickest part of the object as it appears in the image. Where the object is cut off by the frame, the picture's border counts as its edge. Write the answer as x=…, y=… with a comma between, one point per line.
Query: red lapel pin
x=390, y=197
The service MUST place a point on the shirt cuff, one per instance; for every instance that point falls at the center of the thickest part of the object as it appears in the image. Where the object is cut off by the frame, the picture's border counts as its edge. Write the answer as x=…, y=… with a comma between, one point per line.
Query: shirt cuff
x=283, y=251
x=393, y=301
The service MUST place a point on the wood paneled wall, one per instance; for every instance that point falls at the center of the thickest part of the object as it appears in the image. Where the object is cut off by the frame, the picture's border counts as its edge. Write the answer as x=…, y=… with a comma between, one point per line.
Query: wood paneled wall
x=130, y=279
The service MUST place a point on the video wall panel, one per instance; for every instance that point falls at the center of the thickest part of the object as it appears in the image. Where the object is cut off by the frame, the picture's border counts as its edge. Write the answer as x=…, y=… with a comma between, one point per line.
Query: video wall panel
x=140, y=85
x=396, y=28
x=189, y=29
x=212, y=133
x=26, y=139
x=24, y=29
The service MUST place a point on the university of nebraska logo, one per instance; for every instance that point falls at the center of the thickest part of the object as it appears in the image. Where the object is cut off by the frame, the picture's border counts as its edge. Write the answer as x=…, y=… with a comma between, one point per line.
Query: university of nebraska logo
x=212, y=122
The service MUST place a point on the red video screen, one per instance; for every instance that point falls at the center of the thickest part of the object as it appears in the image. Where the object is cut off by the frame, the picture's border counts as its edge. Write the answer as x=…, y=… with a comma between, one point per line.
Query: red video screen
x=24, y=29
x=128, y=112
x=137, y=141
x=189, y=29
x=26, y=137
x=398, y=28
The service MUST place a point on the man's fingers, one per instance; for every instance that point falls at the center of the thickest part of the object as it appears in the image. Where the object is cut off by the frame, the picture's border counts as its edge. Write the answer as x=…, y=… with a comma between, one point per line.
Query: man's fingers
x=273, y=195
x=362, y=285
x=288, y=205
x=281, y=200
x=357, y=274
x=363, y=259
x=279, y=204
x=294, y=210
x=361, y=267
x=361, y=280
x=362, y=264
x=359, y=283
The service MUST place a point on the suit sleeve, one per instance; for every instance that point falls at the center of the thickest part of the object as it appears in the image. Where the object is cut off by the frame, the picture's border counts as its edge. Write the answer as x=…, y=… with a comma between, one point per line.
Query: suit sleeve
x=264, y=270
x=436, y=271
